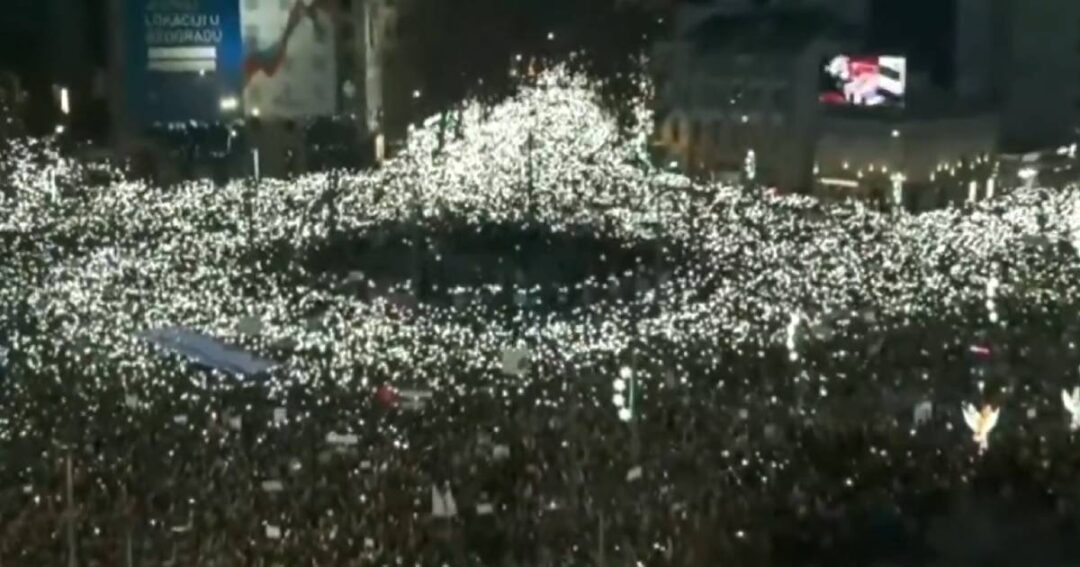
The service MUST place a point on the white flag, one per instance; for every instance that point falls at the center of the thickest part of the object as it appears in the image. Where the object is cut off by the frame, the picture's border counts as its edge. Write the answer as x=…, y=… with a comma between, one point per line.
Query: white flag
x=1072, y=405
x=438, y=507
x=515, y=361
x=924, y=411
x=338, y=439
x=451, y=505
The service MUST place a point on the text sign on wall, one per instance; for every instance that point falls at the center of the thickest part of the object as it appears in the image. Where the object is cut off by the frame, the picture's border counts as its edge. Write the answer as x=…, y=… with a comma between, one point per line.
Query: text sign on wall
x=183, y=58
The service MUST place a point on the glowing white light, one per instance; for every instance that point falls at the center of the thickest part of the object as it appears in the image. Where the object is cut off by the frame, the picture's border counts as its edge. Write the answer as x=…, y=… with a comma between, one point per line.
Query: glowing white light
x=65, y=101
x=625, y=414
x=898, y=188
x=619, y=384
x=231, y=104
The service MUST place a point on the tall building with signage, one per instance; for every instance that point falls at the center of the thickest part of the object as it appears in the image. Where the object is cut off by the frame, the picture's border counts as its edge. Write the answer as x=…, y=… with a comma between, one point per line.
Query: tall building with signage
x=841, y=106
x=289, y=78
x=182, y=59
x=741, y=84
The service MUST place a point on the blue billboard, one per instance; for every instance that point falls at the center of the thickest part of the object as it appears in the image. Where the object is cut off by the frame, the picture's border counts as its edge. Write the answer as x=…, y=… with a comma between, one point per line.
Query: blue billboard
x=184, y=60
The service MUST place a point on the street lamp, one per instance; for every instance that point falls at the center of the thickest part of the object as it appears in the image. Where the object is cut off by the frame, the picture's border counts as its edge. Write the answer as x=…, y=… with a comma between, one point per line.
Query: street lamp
x=624, y=403
x=1028, y=175
x=65, y=101
x=898, y=180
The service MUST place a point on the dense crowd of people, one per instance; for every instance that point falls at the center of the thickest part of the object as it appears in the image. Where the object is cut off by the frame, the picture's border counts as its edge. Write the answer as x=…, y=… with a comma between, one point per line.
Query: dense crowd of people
x=526, y=346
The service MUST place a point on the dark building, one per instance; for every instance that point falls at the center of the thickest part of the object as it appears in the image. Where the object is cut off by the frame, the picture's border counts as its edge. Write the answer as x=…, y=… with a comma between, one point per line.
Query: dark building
x=53, y=45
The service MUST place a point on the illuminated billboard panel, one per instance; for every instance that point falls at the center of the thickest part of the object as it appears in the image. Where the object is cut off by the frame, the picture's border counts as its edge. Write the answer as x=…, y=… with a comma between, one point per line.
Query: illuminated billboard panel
x=290, y=68
x=872, y=81
x=208, y=60
x=183, y=57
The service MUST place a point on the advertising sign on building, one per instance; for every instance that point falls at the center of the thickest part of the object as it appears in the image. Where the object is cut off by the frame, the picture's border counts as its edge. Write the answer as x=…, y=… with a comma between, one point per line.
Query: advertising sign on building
x=184, y=59
x=290, y=58
x=871, y=81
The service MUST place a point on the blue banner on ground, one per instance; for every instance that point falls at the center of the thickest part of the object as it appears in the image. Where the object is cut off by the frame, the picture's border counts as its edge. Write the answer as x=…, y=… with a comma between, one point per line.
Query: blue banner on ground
x=208, y=351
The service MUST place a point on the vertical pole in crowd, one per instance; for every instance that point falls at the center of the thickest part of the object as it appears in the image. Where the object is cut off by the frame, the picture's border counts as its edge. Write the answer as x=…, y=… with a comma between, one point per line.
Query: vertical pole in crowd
x=417, y=259
x=601, y=551
x=332, y=202
x=248, y=202
x=129, y=552
x=632, y=401
x=72, y=562
x=529, y=168
x=255, y=163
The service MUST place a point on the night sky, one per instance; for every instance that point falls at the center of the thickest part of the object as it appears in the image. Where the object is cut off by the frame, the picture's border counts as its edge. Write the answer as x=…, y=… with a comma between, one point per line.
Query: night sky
x=921, y=29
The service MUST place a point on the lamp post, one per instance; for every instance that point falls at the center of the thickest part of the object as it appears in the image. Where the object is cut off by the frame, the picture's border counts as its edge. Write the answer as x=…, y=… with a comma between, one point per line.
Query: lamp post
x=625, y=399
x=750, y=170
x=69, y=493
x=898, y=189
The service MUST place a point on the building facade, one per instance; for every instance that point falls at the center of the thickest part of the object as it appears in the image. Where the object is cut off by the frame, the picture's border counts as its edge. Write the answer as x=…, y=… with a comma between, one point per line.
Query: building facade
x=735, y=85
x=916, y=162
x=991, y=78
x=12, y=106
x=282, y=86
